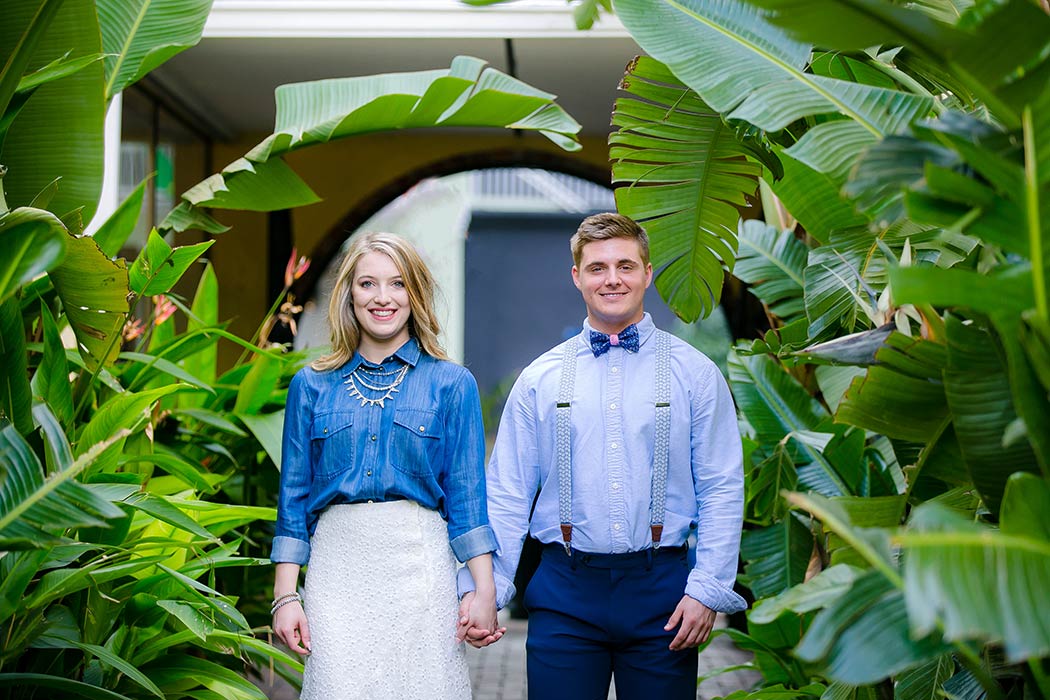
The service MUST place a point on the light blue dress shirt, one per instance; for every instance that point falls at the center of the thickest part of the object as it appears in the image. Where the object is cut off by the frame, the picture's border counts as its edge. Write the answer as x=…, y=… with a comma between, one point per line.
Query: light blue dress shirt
x=613, y=419
x=427, y=444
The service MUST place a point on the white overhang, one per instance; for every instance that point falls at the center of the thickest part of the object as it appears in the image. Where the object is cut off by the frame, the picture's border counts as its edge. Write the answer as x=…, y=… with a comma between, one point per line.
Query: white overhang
x=399, y=18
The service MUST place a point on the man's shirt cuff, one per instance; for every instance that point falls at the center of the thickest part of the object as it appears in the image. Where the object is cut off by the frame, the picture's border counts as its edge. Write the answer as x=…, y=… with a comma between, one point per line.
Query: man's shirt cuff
x=288, y=550
x=706, y=589
x=504, y=587
x=473, y=543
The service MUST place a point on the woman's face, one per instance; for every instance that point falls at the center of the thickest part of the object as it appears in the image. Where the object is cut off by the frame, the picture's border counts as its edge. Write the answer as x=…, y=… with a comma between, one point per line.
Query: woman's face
x=380, y=301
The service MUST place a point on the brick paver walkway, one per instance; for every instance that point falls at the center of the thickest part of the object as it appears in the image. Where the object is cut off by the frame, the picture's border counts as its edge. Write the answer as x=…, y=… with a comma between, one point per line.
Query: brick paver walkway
x=498, y=672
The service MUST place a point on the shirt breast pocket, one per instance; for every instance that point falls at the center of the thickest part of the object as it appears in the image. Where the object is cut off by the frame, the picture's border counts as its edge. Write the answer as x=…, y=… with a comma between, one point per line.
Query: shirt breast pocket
x=417, y=436
x=332, y=442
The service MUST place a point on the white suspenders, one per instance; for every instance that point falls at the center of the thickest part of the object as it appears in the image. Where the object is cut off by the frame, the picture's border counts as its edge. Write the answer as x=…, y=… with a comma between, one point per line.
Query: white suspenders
x=661, y=439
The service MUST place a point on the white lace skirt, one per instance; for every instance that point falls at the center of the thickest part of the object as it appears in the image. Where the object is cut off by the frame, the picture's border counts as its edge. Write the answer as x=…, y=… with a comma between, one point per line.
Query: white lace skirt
x=380, y=599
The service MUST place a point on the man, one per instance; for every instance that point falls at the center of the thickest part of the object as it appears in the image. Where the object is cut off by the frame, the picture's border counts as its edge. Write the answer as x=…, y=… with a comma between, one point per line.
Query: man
x=630, y=437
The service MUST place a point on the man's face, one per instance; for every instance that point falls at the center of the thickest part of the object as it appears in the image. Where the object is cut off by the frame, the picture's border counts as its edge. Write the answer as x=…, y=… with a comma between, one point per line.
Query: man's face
x=613, y=279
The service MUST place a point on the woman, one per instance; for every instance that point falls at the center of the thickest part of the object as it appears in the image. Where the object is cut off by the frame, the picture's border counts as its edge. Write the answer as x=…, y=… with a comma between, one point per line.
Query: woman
x=383, y=443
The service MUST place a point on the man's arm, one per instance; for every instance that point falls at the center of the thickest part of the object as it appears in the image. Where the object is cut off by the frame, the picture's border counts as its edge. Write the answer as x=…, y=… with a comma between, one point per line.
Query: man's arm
x=512, y=478
x=718, y=482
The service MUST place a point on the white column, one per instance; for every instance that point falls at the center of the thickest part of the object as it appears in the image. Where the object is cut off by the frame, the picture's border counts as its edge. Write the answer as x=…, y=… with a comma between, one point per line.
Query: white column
x=110, y=197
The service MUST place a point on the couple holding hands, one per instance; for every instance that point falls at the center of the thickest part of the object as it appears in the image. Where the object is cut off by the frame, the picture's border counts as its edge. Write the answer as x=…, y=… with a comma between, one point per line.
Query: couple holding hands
x=613, y=446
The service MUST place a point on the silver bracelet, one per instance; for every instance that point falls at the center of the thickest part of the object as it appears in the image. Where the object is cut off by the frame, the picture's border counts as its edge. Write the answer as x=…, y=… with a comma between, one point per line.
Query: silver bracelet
x=289, y=599
x=278, y=599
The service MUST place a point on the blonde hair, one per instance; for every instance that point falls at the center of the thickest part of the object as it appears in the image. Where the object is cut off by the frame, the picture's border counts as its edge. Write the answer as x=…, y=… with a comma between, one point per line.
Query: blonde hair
x=419, y=283
x=602, y=227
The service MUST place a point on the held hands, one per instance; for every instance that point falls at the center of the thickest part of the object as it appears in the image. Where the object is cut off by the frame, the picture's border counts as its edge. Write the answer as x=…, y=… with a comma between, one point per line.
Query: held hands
x=289, y=622
x=478, y=625
x=696, y=620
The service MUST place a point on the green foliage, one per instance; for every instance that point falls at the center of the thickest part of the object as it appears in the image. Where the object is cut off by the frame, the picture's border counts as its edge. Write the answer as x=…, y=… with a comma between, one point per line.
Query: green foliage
x=902, y=399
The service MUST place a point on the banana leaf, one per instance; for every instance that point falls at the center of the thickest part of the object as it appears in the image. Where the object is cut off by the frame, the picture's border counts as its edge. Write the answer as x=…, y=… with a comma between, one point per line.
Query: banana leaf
x=58, y=132
x=140, y=35
x=978, y=584
x=774, y=264
x=686, y=173
x=748, y=69
x=32, y=241
x=468, y=93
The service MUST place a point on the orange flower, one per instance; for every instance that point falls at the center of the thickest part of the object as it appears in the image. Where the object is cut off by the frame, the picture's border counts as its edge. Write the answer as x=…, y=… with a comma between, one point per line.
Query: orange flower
x=163, y=309
x=294, y=270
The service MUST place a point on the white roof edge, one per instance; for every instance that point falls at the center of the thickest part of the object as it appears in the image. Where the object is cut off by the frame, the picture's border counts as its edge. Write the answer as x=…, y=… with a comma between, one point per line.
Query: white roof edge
x=399, y=18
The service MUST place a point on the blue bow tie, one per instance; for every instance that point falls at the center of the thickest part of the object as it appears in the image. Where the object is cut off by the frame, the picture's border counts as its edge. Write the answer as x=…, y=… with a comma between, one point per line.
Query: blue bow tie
x=627, y=339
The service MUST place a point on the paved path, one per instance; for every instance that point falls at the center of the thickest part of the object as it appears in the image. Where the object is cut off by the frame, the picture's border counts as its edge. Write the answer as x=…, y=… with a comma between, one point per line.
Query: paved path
x=498, y=672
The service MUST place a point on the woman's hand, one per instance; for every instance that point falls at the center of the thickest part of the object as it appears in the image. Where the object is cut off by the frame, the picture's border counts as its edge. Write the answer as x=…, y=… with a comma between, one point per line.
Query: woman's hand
x=289, y=622
x=478, y=624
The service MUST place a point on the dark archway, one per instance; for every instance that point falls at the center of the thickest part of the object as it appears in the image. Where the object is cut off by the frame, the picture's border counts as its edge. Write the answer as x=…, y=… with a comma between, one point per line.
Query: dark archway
x=744, y=313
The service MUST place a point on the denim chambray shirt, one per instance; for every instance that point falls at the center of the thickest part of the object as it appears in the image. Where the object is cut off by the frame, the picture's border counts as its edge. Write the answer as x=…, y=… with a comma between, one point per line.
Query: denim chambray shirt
x=426, y=445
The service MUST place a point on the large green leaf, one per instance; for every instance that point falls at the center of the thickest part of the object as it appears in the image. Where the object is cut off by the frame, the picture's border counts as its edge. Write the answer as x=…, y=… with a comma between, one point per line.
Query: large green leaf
x=109, y=658
x=16, y=396
x=748, y=69
x=468, y=93
x=686, y=174
x=814, y=199
x=816, y=593
x=776, y=405
x=863, y=636
x=977, y=583
x=159, y=266
x=776, y=556
x=68, y=687
x=1005, y=76
x=58, y=133
x=924, y=682
x=774, y=264
x=114, y=233
x=267, y=429
x=981, y=402
x=94, y=293
x=17, y=54
x=51, y=379
x=903, y=395
x=140, y=35
x=30, y=506
x=204, y=312
x=32, y=241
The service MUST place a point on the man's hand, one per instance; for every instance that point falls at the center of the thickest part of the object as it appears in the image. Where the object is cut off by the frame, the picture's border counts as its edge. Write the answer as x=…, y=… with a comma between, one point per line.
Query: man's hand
x=290, y=624
x=696, y=619
x=478, y=625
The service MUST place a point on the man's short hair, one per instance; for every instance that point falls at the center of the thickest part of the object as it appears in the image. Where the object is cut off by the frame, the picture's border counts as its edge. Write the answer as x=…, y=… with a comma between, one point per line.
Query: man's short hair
x=602, y=227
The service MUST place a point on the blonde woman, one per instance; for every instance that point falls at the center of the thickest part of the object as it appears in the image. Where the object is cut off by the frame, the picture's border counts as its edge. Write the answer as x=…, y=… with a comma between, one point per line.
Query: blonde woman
x=382, y=488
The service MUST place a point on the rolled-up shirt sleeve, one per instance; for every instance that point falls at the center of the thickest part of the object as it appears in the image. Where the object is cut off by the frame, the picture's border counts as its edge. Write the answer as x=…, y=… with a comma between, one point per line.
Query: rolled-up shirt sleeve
x=291, y=543
x=718, y=478
x=513, y=479
x=463, y=484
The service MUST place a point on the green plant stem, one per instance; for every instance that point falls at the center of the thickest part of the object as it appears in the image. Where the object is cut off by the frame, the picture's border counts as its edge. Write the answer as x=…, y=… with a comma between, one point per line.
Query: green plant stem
x=255, y=336
x=1035, y=239
x=909, y=82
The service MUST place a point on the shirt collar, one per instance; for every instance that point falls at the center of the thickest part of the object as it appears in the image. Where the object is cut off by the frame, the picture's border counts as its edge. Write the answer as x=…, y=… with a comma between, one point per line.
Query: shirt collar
x=408, y=353
x=645, y=330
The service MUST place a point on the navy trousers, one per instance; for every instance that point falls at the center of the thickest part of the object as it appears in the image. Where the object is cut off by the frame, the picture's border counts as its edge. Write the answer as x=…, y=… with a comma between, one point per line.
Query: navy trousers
x=596, y=616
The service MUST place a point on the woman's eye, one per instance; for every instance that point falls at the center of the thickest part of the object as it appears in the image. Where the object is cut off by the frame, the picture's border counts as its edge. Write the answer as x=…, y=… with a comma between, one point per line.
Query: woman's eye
x=399, y=284
x=366, y=283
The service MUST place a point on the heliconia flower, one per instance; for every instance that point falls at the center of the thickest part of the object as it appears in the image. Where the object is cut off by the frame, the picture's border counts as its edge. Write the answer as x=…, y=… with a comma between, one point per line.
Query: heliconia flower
x=133, y=329
x=164, y=309
x=294, y=270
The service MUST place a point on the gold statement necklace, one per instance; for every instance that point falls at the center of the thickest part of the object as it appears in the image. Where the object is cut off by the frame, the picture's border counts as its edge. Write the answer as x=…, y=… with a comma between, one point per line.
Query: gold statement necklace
x=373, y=383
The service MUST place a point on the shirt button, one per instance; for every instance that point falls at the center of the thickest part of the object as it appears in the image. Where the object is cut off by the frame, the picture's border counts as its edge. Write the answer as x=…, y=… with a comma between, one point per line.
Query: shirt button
x=325, y=430
x=370, y=500
x=616, y=526
x=614, y=445
x=615, y=485
x=373, y=438
x=422, y=429
x=368, y=473
x=612, y=406
x=614, y=370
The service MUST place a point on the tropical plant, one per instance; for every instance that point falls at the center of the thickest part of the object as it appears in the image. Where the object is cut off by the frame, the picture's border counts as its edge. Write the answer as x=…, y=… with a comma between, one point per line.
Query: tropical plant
x=131, y=469
x=897, y=412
